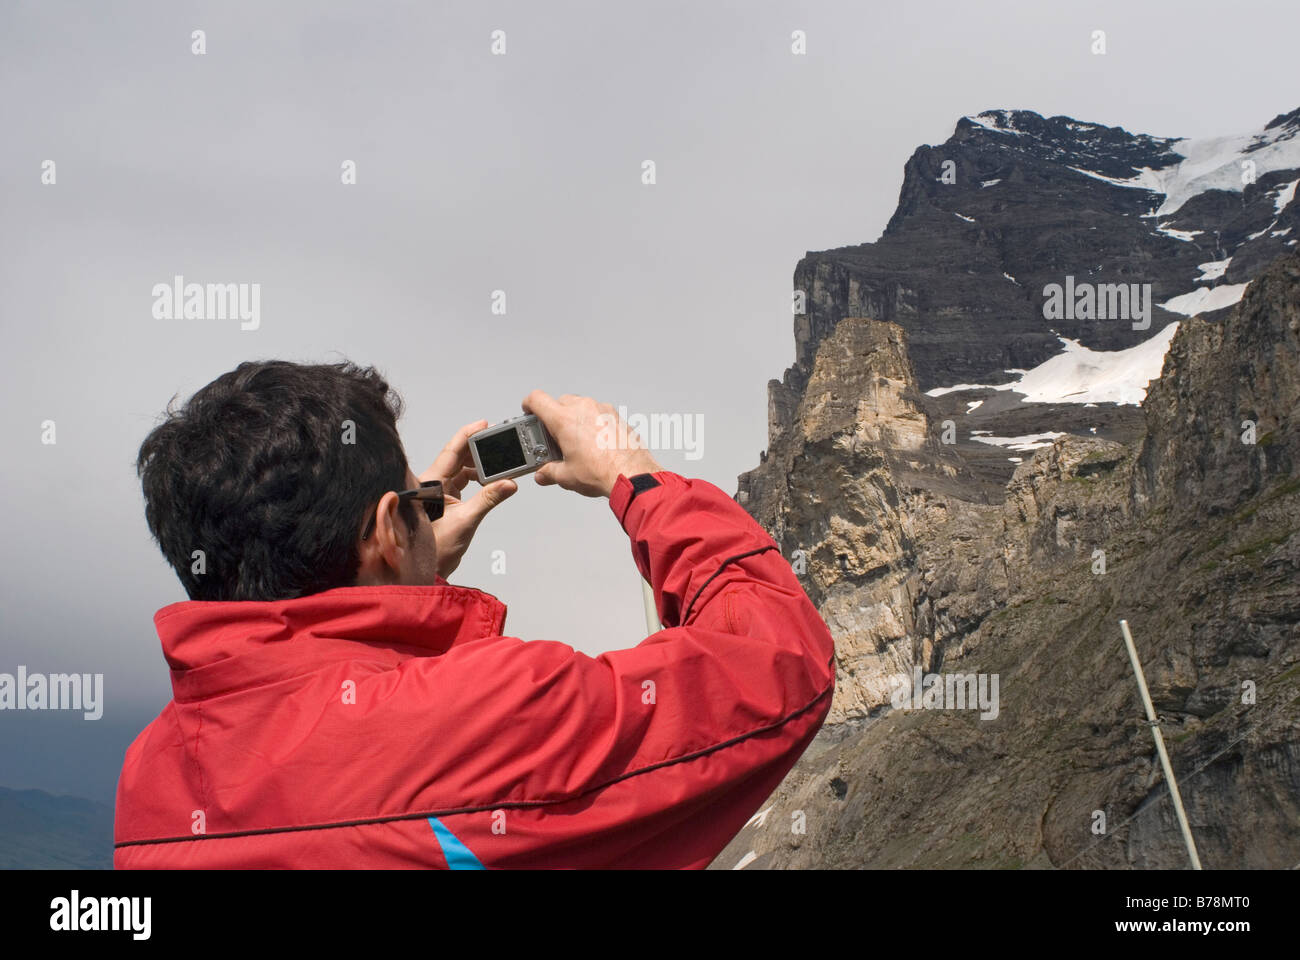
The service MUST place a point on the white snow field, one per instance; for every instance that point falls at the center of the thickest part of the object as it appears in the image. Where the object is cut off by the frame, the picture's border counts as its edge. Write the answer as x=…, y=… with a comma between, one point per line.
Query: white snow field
x=1213, y=270
x=1082, y=375
x=1285, y=194
x=1216, y=163
x=1206, y=298
x=1031, y=441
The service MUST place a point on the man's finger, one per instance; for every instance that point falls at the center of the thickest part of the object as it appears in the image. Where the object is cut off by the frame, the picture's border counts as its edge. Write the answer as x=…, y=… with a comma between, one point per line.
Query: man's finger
x=455, y=454
x=454, y=485
x=540, y=403
x=489, y=497
x=549, y=474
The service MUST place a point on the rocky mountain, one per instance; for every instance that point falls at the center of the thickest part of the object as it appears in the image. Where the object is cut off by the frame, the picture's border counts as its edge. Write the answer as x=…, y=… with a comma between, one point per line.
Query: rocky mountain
x=40, y=831
x=1014, y=203
x=972, y=484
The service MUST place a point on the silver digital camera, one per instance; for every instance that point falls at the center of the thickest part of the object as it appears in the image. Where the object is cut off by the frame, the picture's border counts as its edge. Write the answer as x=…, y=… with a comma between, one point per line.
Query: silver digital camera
x=519, y=445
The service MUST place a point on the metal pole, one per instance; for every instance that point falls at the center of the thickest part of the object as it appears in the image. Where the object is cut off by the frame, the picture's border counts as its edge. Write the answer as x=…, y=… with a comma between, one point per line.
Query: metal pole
x=652, y=624
x=1160, y=746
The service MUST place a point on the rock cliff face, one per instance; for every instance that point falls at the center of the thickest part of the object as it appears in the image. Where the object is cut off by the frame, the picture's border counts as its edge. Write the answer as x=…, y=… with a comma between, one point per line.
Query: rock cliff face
x=1221, y=381
x=861, y=470
x=926, y=546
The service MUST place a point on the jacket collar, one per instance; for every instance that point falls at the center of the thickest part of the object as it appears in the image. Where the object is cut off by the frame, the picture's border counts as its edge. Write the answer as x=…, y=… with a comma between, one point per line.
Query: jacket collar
x=215, y=647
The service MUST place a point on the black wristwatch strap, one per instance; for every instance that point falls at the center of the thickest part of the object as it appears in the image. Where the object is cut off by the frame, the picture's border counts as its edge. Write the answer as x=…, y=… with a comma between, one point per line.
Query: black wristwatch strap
x=641, y=483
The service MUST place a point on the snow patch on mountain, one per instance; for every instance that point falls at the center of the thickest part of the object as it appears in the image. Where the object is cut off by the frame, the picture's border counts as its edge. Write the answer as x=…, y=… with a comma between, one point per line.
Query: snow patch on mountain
x=1145, y=179
x=1260, y=233
x=1178, y=234
x=1221, y=163
x=1030, y=441
x=1215, y=163
x=999, y=121
x=1205, y=298
x=1285, y=194
x=1082, y=375
x=1213, y=270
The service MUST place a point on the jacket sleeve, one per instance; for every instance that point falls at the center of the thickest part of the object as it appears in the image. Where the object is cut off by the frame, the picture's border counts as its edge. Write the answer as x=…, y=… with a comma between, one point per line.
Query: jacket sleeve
x=657, y=755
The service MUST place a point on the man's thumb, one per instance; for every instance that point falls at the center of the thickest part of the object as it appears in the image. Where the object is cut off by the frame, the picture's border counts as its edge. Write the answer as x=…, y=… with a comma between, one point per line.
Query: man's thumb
x=491, y=495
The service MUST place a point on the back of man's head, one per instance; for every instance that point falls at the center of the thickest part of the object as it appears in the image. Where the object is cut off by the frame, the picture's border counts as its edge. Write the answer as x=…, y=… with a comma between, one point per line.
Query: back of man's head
x=269, y=471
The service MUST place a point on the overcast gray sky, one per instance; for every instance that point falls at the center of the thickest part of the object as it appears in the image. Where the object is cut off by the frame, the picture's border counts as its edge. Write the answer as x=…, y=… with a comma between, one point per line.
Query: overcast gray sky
x=475, y=173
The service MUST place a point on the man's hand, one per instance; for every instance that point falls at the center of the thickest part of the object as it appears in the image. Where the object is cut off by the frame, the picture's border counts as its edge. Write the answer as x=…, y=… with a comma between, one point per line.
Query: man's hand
x=597, y=444
x=460, y=518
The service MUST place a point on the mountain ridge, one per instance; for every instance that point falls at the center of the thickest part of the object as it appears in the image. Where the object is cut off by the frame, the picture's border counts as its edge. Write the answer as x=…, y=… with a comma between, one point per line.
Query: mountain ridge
x=44, y=831
x=942, y=526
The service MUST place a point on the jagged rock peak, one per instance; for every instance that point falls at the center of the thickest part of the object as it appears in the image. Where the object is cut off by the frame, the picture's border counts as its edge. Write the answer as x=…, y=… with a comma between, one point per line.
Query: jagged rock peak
x=1062, y=137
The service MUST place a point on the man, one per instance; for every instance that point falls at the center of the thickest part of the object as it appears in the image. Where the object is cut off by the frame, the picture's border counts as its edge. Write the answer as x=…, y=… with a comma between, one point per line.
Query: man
x=337, y=703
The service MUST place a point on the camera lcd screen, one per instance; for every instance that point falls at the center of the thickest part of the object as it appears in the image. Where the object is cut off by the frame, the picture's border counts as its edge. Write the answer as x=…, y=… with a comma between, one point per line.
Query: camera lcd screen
x=500, y=452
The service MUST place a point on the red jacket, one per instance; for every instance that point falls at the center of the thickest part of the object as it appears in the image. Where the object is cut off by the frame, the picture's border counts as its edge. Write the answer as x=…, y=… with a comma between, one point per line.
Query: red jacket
x=397, y=727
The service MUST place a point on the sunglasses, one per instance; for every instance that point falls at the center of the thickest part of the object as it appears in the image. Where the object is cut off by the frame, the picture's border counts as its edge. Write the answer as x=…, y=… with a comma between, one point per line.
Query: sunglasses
x=428, y=495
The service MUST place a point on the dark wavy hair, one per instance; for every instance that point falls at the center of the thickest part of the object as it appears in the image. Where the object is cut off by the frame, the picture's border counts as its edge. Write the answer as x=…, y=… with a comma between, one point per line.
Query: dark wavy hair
x=254, y=471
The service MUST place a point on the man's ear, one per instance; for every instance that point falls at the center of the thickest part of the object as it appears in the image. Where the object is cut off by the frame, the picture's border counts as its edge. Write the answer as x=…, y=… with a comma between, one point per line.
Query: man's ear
x=384, y=551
